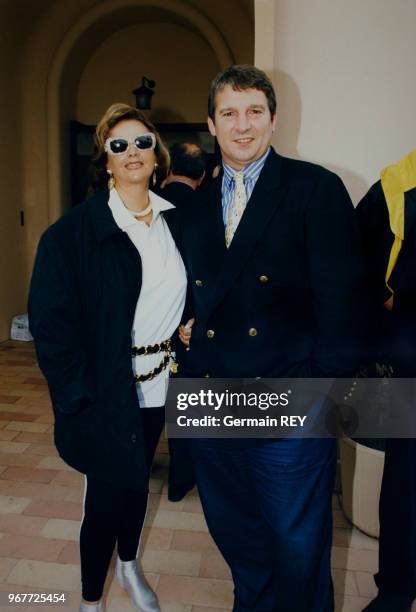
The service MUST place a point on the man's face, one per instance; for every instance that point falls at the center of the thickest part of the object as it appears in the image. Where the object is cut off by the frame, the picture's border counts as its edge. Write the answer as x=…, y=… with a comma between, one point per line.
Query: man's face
x=243, y=125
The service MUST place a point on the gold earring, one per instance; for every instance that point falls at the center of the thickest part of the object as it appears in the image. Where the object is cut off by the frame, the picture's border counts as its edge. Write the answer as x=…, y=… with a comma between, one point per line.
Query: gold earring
x=111, y=180
x=154, y=178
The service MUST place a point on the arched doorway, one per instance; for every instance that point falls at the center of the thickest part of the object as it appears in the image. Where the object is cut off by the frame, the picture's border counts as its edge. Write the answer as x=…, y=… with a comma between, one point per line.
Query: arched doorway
x=79, y=45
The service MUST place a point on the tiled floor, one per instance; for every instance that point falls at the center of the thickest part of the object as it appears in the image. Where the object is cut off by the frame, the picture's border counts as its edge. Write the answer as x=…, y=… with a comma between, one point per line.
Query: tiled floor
x=40, y=508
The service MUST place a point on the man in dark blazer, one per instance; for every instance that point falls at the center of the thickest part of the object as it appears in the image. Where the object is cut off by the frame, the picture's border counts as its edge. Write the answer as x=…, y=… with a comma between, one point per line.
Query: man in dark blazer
x=387, y=219
x=275, y=273
x=187, y=171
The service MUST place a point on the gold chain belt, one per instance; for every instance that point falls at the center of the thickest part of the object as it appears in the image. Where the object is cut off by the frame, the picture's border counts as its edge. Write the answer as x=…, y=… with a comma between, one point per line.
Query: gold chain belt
x=152, y=349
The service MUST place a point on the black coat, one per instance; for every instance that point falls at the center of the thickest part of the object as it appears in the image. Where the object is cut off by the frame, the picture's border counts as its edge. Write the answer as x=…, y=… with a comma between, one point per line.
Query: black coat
x=85, y=286
x=285, y=298
x=394, y=331
x=179, y=194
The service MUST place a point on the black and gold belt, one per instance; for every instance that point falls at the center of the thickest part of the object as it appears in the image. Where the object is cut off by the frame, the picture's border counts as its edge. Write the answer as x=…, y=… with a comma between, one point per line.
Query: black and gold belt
x=152, y=349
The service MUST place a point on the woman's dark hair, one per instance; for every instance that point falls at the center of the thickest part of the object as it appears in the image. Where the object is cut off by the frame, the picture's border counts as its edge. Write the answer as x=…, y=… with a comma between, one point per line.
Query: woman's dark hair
x=242, y=77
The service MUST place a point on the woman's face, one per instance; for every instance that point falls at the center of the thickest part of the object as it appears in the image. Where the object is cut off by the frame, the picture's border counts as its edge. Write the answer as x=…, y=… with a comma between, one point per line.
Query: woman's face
x=134, y=166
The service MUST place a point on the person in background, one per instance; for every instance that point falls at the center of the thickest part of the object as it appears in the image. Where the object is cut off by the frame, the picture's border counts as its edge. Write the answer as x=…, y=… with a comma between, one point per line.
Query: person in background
x=187, y=171
x=275, y=277
x=387, y=218
x=107, y=292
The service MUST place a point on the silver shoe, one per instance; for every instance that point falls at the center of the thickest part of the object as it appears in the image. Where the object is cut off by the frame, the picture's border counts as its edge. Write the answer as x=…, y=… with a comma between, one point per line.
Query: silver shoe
x=131, y=578
x=94, y=607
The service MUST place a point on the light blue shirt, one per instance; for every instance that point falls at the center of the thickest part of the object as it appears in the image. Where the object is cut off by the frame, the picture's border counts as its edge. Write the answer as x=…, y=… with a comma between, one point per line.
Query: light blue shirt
x=251, y=174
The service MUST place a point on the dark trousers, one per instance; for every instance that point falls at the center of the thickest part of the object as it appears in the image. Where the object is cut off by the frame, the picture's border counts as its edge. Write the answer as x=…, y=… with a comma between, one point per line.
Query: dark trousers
x=397, y=552
x=268, y=508
x=113, y=515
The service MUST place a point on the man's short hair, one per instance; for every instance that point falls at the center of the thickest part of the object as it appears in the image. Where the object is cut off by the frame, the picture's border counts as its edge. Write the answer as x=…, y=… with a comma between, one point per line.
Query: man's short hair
x=187, y=159
x=241, y=77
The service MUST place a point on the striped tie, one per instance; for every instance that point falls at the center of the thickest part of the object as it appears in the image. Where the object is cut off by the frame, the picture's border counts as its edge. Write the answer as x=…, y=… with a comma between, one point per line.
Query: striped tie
x=237, y=207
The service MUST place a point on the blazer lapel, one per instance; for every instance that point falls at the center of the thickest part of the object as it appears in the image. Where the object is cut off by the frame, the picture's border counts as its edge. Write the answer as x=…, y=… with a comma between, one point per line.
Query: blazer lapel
x=171, y=218
x=262, y=205
x=208, y=238
x=215, y=223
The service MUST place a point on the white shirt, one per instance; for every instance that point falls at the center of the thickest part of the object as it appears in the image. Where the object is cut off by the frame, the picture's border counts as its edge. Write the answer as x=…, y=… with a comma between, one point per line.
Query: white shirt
x=162, y=295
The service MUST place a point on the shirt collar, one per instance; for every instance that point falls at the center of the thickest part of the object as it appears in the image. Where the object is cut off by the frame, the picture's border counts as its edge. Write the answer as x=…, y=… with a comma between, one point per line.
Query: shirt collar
x=124, y=219
x=177, y=180
x=251, y=171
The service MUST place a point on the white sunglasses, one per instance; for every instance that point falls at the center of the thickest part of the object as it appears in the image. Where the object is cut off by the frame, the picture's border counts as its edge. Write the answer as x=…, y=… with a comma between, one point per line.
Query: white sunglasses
x=117, y=146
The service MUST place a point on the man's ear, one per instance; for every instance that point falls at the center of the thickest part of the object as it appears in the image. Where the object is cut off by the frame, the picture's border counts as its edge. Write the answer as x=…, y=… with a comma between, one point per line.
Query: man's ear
x=211, y=126
x=274, y=122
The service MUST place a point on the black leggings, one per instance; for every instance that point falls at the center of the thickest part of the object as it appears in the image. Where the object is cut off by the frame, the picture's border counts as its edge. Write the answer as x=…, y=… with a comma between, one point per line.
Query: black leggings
x=114, y=514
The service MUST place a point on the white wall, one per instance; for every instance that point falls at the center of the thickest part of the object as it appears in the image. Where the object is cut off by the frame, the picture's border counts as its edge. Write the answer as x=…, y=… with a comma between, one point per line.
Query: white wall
x=345, y=72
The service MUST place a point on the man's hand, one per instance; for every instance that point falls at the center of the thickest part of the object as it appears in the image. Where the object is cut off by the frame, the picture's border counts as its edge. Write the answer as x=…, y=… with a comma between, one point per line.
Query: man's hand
x=389, y=303
x=185, y=332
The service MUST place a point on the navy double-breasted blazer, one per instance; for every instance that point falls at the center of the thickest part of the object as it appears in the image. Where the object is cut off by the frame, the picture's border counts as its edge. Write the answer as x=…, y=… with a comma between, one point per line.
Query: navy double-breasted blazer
x=285, y=299
x=85, y=286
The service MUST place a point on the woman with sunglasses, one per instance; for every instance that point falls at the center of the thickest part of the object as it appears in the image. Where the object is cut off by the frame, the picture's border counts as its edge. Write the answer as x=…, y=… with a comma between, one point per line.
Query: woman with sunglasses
x=107, y=292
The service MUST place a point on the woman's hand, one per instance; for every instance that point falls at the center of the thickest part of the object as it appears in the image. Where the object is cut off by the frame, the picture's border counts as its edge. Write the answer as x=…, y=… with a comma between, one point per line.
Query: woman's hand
x=185, y=332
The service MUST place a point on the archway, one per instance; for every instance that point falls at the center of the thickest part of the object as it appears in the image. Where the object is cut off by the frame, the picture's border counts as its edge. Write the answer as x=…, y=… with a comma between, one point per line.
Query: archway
x=80, y=41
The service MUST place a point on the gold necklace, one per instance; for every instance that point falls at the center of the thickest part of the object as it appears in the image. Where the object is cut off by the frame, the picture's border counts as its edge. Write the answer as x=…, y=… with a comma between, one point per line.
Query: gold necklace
x=141, y=213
